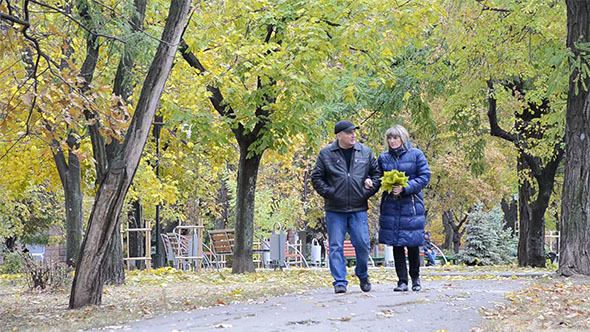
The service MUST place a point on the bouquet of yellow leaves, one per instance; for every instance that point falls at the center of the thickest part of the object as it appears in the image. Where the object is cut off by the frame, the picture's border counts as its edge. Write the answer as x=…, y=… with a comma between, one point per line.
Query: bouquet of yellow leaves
x=393, y=178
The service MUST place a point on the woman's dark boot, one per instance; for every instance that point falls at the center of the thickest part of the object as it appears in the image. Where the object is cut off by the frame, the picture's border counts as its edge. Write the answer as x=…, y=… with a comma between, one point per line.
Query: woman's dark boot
x=401, y=287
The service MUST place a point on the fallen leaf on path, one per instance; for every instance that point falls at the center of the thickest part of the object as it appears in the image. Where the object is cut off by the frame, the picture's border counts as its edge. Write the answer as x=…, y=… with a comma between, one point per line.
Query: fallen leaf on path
x=222, y=326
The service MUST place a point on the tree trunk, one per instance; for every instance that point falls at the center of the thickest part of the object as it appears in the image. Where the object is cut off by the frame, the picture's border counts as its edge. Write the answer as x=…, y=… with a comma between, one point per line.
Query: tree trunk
x=88, y=284
x=525, y=194
x=71, y=179
x=456, y=240
x=448, y=245
x=136, y=239
x=246, y=192
x=223, y=201
x=574, y=251
x=113, y=269
x=74, y=213
x=531, y=250
x=531, y=246
x=454, y=229
x=510, y=210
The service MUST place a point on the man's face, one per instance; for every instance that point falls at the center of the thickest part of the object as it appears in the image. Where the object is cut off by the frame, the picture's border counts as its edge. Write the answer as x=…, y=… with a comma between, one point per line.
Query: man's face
x=346, y=139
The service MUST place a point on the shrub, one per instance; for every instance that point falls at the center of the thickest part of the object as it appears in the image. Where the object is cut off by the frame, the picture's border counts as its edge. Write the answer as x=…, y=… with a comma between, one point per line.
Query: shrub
x=13, y=263
x=43, y=275
x=486, y=242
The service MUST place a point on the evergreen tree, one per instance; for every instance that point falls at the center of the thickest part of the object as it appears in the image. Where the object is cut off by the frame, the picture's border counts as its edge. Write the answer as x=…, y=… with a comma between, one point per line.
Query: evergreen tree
x=487, y=243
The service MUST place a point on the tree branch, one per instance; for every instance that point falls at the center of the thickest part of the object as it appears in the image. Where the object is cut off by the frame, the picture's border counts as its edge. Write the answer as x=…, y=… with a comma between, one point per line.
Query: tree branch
x=80, y=24
x=495, y=129
x=14, y=19
x=330, y=23
x=486, y=7
x=216, y=97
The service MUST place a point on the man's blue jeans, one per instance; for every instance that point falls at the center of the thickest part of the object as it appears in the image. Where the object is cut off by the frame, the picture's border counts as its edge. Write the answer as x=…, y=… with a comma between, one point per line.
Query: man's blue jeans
x=357, y=226
x=431, y=257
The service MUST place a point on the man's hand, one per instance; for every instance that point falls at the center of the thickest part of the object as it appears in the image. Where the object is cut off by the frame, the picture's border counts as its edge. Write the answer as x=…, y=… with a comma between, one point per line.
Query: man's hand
x=368, y=184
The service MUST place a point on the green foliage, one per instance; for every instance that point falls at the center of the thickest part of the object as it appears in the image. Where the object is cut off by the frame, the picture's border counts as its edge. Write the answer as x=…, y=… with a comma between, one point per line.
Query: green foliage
x=13, y=263
x=30, y=213
x=295, y=65
x=522, y=42
x=393, y=178
x=486, y=242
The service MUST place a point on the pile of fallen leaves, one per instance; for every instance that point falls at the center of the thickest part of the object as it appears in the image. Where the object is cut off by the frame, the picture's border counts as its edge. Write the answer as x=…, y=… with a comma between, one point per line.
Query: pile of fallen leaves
x=167, y=290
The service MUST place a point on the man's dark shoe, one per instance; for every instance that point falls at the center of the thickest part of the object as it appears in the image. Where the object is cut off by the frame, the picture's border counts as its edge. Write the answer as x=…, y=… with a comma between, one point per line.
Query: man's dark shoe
x=365, y=284
x=401, y=287
x=416, y=286
x=339, y=289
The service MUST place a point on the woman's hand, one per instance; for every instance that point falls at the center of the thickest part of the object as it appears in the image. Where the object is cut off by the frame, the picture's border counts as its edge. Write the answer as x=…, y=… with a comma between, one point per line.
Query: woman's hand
x=397, y=190
x=368, y=184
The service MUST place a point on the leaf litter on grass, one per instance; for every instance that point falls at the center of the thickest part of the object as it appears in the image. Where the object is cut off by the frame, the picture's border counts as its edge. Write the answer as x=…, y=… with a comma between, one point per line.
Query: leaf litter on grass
x=548, y=305
x=167, y=290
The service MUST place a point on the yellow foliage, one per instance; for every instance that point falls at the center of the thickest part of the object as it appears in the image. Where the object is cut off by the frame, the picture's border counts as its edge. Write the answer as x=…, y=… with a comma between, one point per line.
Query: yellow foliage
x=393, y=178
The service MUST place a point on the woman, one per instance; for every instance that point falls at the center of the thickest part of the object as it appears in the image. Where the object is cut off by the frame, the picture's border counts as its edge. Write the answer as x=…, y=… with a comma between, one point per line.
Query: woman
x=402, y=218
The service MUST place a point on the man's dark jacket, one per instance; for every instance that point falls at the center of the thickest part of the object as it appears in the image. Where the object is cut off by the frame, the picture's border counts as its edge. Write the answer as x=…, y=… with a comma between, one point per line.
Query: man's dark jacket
x=344, y=190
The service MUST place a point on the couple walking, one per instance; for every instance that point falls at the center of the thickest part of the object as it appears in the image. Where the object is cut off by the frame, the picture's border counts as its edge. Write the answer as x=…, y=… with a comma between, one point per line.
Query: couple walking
x=346, y=174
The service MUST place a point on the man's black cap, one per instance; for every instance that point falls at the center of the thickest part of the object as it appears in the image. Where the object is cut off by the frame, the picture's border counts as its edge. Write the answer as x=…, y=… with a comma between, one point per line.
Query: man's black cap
x=344, y=125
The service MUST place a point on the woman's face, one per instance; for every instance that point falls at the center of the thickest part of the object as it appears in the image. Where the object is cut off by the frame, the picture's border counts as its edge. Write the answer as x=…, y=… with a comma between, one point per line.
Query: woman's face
x=394, y=142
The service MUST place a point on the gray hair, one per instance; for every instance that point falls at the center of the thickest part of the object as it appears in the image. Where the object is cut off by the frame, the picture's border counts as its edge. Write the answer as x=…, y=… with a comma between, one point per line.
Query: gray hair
x=398, y=131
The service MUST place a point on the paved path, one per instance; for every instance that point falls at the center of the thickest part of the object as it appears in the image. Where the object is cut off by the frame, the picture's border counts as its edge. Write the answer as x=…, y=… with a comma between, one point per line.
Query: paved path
x=442, y=304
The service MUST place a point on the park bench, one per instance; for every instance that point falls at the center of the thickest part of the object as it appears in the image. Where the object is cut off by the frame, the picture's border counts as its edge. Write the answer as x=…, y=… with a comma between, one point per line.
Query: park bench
x=222, y=245
x=181, y=251
x=446, y=258
x=349, y=253
x=175, y=246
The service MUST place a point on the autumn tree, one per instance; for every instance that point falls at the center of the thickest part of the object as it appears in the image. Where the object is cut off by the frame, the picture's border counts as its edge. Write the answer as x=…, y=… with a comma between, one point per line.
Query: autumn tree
x=508, y=58
x=67, y=119
x=87, y=286
x=269, y=66
x=24, y=95
x=574, y=251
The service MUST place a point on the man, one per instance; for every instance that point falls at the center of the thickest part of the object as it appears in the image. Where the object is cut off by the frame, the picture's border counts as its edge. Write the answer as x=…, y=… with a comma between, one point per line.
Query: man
x=429, y=250
x=346, y=174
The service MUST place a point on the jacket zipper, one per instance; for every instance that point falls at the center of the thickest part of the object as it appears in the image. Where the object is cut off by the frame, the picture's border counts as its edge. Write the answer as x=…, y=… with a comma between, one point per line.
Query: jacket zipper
x=418, y=198
x=414, y=205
